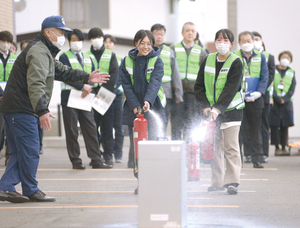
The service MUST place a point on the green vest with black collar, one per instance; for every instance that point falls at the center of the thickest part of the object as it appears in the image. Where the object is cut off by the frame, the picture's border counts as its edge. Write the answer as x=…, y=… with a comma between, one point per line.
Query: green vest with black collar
x=5, y=71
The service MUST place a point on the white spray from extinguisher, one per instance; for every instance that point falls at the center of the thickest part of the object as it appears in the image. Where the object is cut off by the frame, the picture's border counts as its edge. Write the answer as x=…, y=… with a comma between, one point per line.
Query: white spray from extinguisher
x=159, y=123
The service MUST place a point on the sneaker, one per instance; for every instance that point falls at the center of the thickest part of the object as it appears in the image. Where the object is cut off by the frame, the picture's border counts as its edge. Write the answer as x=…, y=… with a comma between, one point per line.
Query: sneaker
x=285, y=153
x=118, y=161
x=248, y=159
x=232, y=190
x=265, y=159
x=39, y=196
x=258, y=165
x=278, y=152
x=215, y=189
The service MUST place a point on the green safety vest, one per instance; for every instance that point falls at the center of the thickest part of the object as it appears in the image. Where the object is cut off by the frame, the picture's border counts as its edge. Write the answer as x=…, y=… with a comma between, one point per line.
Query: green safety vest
x=129, y=67
x=267, y=54
x=165, y=56
x=287, y=82
x=255, y=64
x=103, y=64
x=214, y=88
x=119, y=59
x=5, y=72
x=76, y=65
x=188, y=65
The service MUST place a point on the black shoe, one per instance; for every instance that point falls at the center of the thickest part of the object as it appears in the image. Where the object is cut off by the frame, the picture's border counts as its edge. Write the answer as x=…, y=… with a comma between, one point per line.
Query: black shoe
x=136, y=191
x=265, y=159
x=232, y=190
x=39, y=196
x=130, y=164
x=248, y=159
x=214, y=189
x=109, y=162
x=79, y=166
x=258, y=165
x=99, y=164
x=13, y=197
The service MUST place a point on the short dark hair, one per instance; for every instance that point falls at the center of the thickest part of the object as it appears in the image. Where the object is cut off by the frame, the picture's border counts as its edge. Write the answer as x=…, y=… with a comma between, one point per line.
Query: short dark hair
x=246, y=33
x=226, y=33
x=158, y=27
x=257, y=34
x=187, y=23
x=141, y=34
x=6, y=36
x=76, y=32
x=94, y=33
x=286, y=52
x=23, y=42
x=108, y=36
x=14, y=43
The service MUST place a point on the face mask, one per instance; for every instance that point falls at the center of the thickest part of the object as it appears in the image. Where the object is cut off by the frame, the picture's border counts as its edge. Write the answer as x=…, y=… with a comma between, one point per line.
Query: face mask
x=4, y=46
x=60, y=40
x=97, y=43
x=257, y=45
x=284, y=62
x=222, y=48
x=247, y=47
x=76, y=46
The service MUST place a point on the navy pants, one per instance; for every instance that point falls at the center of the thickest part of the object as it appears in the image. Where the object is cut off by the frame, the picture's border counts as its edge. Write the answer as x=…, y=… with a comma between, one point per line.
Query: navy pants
x=23, y=140
x=119, y=128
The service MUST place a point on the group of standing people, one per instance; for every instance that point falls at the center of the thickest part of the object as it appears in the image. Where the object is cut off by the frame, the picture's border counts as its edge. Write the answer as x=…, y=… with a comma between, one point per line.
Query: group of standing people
x=182, y=81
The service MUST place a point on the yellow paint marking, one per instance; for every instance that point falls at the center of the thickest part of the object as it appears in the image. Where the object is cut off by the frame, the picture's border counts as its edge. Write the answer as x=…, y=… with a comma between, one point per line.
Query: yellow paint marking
x=117, y=206
x=264, y=169
x=88, y=179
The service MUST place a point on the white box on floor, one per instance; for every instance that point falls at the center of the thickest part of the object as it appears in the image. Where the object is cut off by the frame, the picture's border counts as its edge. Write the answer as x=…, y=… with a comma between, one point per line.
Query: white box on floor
x=162, y=184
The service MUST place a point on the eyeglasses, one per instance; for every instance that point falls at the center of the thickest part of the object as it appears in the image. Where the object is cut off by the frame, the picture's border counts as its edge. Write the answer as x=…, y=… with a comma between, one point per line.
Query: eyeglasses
x=145, y=45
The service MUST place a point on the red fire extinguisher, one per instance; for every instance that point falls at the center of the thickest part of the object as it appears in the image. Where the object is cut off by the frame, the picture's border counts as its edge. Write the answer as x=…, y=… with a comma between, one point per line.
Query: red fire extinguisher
x=207, y=151
x=193, y=161
x=140, y=126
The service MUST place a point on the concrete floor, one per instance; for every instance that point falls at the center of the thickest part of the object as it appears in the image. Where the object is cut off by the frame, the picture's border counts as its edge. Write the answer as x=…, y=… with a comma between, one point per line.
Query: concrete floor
x=268, y=197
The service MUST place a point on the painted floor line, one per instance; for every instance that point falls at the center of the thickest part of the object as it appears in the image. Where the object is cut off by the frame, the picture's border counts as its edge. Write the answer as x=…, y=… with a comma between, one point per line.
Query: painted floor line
x=132, y=191
x=109, y=179
x=116, y=206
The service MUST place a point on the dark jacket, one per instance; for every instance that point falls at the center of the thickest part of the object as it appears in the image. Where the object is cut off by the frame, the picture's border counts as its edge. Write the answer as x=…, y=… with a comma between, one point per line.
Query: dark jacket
x=30, y=84
x=64, y=96
x=283, y=112
x=232, y=86
x=113, y=69
x=141, y=90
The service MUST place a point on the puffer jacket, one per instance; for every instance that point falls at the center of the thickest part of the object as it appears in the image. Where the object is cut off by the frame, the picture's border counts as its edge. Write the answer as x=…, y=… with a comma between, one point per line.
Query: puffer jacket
x=29, y=87
x=141, y=90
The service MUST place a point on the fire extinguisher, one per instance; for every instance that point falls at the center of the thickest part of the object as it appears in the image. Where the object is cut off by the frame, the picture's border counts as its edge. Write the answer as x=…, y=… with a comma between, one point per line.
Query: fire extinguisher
x=140, y=126
x=207, y=150
x=193, y=161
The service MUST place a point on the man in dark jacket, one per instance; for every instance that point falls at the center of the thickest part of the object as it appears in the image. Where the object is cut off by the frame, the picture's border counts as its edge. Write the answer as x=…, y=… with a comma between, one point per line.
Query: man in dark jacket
x=25, y=102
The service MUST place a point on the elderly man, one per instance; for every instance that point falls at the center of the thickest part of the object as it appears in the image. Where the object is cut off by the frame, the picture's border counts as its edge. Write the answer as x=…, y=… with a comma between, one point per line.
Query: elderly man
x=25, y=104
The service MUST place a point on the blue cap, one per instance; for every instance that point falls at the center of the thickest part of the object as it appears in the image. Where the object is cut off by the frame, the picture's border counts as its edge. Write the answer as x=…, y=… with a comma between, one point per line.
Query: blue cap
x=55, y=22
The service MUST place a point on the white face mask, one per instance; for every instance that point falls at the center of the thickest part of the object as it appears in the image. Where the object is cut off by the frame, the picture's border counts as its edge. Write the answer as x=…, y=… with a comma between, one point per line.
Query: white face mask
x=257, y=45
x=97, y=43
x=60, y=40
x=284, y=62
x=247, y=47
x=222, y=48
x=76, y=45
x=4, y=46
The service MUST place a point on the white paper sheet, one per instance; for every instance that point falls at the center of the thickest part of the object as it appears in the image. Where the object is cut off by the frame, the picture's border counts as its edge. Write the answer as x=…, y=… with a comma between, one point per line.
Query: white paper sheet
x=3, y=85
x=76, y=101
x=104, y=101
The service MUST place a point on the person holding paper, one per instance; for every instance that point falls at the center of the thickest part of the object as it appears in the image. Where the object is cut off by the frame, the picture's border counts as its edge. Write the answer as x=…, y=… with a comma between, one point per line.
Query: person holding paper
x=25, y=102
x=78, y=60
x=218, y=90
x=7, y=60
x=141, y=75
x=105, y=60
x=255, y=71
x=282, y=114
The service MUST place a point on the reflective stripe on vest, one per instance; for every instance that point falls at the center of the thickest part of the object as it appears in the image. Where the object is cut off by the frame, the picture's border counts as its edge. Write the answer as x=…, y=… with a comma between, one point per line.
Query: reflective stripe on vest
x=214, y=88
x=188, y=65
x=87, y=64
x=5, y=72
x=104, y=63
x=129, y=67
x=165, y=56
x=287, y=82
x=255, y=64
